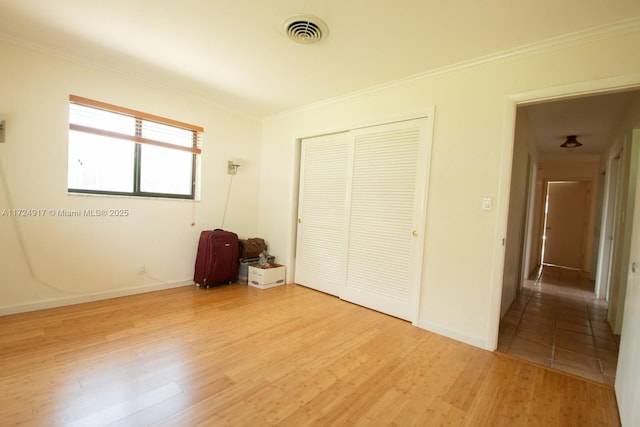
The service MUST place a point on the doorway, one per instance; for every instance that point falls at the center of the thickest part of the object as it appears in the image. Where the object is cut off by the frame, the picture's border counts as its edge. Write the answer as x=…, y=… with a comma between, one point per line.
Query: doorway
x=565, y=223
x=556, y=318
x=605, y=260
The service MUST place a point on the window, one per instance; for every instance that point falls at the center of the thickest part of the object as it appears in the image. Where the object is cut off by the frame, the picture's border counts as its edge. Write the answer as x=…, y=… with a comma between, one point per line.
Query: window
x=115, y=150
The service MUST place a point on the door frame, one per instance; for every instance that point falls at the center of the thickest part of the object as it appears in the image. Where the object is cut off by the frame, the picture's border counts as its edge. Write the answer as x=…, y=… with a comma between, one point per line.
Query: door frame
x=606, y=244
x=511, y=103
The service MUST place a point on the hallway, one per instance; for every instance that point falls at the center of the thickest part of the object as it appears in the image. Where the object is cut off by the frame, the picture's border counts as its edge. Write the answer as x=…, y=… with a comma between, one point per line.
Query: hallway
x=556, y=321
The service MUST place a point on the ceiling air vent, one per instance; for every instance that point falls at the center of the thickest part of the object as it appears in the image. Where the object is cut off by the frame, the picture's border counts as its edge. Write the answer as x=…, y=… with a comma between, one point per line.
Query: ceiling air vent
x=305, y=29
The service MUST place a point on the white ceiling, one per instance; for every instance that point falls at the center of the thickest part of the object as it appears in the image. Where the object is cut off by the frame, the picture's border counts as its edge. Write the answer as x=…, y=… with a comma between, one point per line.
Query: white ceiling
x=234, y=52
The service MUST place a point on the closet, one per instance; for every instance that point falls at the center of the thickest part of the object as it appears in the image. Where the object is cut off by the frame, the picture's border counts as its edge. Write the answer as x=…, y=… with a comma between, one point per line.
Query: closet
x=361, y=215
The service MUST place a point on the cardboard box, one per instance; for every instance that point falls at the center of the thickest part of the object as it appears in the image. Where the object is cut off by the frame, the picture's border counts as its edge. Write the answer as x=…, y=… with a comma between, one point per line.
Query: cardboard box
x=265, y=278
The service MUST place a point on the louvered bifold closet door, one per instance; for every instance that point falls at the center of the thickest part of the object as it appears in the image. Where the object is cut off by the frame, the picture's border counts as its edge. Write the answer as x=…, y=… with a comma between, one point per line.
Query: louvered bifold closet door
x=321, y=244
x=386, y=217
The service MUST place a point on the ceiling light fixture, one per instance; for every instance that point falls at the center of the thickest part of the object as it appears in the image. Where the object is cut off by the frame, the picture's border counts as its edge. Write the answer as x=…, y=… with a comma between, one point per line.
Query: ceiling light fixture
x=571, y=142
x=305, y=29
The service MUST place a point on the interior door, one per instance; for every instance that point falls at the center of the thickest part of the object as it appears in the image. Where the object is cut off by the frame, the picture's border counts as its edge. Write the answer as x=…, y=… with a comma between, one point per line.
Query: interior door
x=321, y=248
x=565, y=225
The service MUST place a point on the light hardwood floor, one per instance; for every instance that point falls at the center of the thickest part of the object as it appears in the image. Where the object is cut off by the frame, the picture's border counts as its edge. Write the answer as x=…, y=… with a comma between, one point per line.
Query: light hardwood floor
x=289, y=356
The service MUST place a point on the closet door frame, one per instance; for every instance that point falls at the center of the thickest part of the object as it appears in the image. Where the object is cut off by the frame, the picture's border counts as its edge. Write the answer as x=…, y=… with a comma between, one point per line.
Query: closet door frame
x=421, y=197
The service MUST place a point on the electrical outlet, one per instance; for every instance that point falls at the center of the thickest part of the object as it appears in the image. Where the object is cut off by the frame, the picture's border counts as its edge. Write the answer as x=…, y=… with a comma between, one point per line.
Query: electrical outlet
x=142, y=269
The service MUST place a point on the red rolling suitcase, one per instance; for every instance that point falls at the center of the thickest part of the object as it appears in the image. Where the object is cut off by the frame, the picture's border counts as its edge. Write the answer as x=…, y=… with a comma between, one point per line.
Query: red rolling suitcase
x=217, y=258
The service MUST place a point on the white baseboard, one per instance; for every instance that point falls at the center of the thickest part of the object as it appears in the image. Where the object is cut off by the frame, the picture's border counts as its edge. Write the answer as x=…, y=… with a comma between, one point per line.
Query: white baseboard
x=64, y=301
x=441, y=330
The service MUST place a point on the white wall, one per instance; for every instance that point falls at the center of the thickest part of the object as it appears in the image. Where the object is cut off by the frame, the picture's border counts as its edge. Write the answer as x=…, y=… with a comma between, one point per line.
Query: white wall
x=627, y=384
x=626, y=196
x=534, y=230
x=47, y=261
x=471, y=159
x=516, y=222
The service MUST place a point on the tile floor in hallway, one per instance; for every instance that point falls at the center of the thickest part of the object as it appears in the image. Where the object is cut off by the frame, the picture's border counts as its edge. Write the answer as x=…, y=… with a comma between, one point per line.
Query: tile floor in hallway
x=558, y=322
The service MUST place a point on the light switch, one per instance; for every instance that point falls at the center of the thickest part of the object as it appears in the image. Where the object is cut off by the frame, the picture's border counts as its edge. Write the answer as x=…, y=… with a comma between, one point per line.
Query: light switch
x=486, y=204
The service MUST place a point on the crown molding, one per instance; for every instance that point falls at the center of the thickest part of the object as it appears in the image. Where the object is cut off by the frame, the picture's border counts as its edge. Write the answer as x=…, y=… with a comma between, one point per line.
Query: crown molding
x=619, y=28
x=42, y=48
